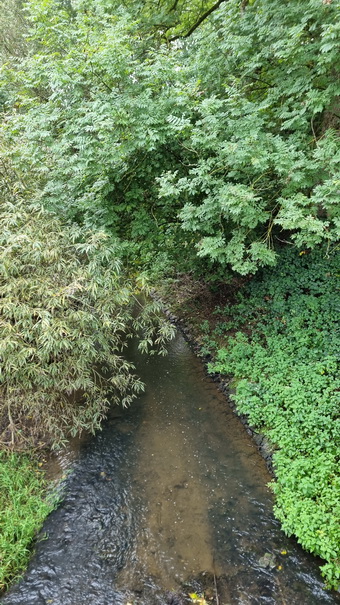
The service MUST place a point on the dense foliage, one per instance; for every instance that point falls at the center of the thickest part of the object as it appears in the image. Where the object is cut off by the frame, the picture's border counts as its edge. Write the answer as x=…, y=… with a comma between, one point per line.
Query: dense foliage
x=265, y=155
x=66, y=308
x=178, y=135
x=12, y=30
x=229, y=134
x=22, y=510
x=285, y=360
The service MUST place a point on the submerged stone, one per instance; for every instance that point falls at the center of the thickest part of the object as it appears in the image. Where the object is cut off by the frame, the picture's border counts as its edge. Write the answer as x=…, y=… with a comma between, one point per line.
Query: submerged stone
x=267, y=561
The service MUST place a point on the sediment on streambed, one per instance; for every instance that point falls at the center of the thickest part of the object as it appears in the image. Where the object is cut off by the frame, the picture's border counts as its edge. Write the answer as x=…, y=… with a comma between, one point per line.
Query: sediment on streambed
x=265, y=447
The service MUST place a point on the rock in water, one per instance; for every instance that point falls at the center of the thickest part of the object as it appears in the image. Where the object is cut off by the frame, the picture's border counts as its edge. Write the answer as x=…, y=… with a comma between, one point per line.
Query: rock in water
x=268, y=560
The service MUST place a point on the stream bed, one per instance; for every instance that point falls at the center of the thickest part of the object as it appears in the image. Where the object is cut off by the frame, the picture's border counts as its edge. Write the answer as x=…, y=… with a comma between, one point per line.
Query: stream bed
x=169, y=499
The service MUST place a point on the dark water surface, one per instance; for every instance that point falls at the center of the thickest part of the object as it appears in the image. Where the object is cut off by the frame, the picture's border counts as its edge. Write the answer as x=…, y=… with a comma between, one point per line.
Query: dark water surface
x=170, y=498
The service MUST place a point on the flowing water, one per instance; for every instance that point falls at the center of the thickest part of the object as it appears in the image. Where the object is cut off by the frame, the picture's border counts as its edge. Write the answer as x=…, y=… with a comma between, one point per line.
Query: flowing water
x=170, y=498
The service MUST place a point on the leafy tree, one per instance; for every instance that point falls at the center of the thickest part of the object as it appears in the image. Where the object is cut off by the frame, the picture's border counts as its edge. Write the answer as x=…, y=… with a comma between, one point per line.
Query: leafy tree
x=90, y=114
x=229, y=132
x=263, y=137
x=12, y=30
x=172, y=20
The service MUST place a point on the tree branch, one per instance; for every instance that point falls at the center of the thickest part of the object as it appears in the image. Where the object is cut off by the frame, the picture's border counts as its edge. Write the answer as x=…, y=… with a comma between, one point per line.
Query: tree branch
x=174, y=6
x=198, y=23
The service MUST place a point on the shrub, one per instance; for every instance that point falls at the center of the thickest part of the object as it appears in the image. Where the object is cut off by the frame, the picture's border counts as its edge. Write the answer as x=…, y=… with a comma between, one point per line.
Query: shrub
x=66, y=307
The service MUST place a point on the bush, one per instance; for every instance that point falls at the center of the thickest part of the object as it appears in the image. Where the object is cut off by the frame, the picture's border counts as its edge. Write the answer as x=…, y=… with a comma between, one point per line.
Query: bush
x=66, y=307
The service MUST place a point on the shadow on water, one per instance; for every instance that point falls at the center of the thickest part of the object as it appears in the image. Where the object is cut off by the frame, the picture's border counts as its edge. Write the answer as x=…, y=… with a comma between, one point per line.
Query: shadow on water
x=170, y=498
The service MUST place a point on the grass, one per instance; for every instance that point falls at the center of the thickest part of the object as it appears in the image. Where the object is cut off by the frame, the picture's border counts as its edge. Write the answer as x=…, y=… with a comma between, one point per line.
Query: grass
x=23, y=508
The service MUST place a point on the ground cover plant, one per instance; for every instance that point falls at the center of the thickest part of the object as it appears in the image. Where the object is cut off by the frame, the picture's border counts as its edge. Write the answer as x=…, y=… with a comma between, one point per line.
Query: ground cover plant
x=23, y=507
x=285, y=363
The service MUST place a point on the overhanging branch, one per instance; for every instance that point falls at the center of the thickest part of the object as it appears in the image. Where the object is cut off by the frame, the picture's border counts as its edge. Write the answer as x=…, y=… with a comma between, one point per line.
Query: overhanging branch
x=174, y=7
x=198, y=22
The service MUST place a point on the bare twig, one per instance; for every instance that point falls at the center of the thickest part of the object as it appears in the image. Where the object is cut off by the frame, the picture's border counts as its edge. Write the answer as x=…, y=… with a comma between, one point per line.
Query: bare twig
x=11, y=425
x=216, y=592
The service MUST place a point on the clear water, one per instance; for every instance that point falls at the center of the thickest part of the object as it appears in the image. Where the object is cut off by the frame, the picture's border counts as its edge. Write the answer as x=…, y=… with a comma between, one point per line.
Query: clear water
x=170, y=498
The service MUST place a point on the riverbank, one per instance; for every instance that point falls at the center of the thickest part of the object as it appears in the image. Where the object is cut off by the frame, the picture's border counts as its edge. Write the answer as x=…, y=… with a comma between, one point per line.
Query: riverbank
x=272, y=344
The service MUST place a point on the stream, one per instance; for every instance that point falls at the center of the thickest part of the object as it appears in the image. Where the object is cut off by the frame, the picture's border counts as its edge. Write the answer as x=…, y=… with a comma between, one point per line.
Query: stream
x=170, y=498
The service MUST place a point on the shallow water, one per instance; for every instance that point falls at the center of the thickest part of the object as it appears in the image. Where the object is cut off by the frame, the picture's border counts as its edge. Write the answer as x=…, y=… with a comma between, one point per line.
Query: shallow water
x=170, y=498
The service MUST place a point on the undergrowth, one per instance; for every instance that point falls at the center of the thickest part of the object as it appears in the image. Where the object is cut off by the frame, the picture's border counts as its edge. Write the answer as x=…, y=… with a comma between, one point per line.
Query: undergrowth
x=284, y=359
x=23, y=508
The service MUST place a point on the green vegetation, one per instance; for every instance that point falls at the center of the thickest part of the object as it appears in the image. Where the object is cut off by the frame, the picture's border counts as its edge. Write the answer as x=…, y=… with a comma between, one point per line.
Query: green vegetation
x=66, y=309
x=224, y=142
x=284, y=361
x=22, y=510
x=173, y=138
